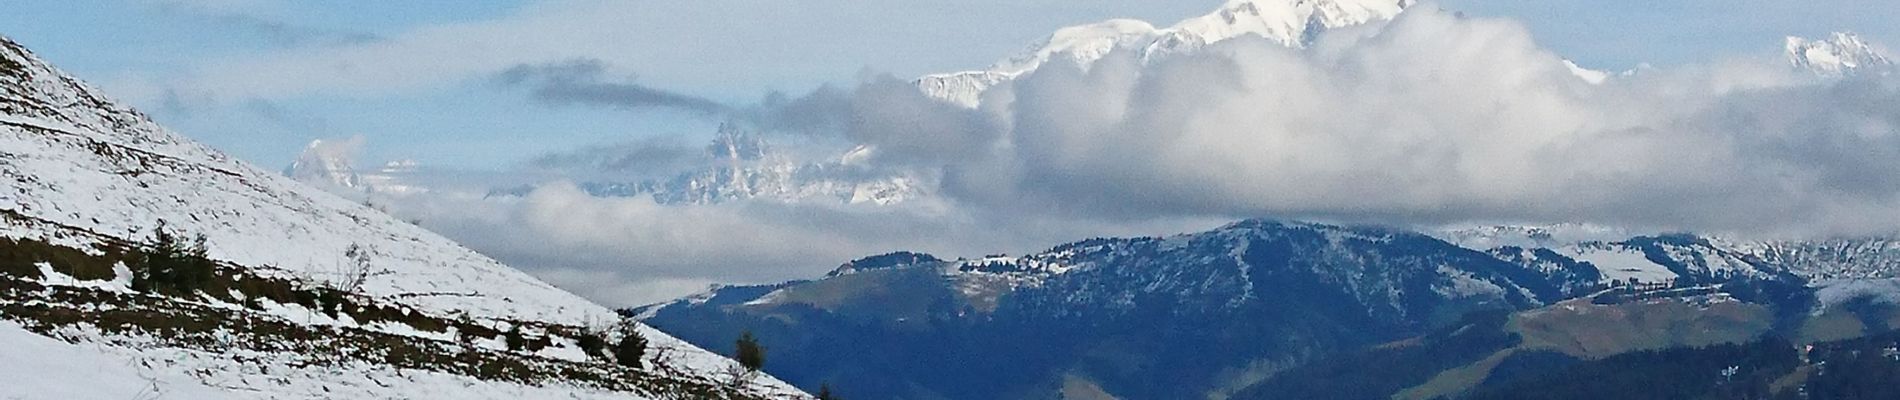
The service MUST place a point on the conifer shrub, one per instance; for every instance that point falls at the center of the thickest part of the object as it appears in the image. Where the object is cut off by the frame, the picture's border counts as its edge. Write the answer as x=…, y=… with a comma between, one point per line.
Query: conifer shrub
x=631, y=349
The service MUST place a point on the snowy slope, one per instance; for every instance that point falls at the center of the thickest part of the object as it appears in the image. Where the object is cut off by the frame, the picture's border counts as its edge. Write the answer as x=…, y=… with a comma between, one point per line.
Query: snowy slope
x=80, y=171
x=1619, y=255
x=1293, y=23
x=129, y=372
x=77, y=160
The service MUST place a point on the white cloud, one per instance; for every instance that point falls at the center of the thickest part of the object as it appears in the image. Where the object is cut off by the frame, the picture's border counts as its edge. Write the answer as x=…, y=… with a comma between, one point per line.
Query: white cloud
x=1433, y=118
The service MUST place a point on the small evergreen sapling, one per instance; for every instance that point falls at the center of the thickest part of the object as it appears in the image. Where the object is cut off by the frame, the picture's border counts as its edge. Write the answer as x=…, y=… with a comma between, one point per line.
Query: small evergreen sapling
x=514, y=339
x=748, y=351
x=592, y=344
x=631, y=349
x=171, y=263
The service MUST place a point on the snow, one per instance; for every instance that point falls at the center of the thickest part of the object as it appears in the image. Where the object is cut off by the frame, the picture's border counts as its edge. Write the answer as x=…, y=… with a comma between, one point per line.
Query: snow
x=1295, y=24
x=134, y=366
x=1461, y=284
x=1291, y=23
x=1718, y=258
x=1837, y=291
x=1841, y=53
x=121, y=283
x=1598, y=245
x=1592, y=76
x=108, y=171
x=78, y=169
x=772, y=297
x=323, y=163
x=1527, y=236
x=1619, y=263
x=1864, y=258
x=1081, y=44
x=40, y=367
x=739, y=165
x=398, y=328
x=59, y=182
x=1813, y=259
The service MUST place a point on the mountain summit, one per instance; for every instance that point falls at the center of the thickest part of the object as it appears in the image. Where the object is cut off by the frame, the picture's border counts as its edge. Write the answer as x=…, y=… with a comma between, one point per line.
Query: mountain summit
x=1294, y=23
x=1841, y=53
x=325, y=163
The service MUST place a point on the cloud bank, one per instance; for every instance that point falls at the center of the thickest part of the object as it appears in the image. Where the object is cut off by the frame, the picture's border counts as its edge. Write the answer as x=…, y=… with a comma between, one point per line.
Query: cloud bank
x=1432, y=118
x=633, y=251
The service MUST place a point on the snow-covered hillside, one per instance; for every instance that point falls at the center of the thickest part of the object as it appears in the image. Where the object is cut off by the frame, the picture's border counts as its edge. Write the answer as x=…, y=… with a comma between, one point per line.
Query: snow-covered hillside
x=84, y=177
x=81, y=162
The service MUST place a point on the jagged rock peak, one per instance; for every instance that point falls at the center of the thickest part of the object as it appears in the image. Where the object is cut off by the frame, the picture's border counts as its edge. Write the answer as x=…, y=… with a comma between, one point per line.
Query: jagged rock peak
x=1841, y=53
x=736, y=144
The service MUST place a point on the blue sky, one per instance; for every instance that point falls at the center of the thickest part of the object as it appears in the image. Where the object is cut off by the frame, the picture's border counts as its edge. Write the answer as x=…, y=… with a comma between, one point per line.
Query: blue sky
x=238, y=74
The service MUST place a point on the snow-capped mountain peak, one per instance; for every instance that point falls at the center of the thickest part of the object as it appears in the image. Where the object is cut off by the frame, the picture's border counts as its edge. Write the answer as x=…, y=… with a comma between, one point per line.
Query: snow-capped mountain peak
x=1594, y=77
x=324, y=163
x=1293, y=23
x=331, y=165
x=1081, y=43
x=1841, y=53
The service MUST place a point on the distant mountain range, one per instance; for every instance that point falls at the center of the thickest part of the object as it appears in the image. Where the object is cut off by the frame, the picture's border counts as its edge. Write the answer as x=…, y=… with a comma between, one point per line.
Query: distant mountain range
x=1212, y=314
x=738, y=164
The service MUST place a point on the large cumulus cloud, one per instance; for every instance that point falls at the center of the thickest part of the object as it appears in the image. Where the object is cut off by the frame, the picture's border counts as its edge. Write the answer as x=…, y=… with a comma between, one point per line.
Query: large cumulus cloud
x=1433, y=118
